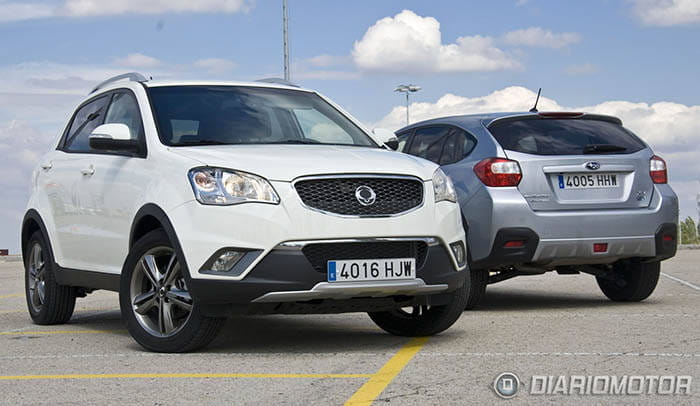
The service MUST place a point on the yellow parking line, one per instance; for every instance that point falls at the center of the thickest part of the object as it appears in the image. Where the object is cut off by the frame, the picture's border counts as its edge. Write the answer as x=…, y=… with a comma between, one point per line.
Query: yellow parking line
x=28, y=333
x=118, y=376
x=11, y=295
x=380, y=380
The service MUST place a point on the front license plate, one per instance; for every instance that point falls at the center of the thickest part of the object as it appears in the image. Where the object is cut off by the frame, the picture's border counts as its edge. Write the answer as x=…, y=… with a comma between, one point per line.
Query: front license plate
x=587, y=181
x=371, y=269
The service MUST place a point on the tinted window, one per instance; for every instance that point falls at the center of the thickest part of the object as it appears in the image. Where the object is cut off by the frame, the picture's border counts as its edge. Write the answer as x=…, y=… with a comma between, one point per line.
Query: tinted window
x=201, y=115
x=428, y=142
x=85, y=120
x=403, y=139
x=563, y=136
x=125, y=110
x=458, y=145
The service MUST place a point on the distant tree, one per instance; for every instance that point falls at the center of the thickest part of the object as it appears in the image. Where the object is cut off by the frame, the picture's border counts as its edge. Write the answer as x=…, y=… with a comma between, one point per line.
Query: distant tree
x=689, y=231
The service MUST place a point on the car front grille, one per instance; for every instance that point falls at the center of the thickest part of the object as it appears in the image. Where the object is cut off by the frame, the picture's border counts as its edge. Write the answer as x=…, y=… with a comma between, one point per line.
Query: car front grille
x=318, y=254
x=338, y=195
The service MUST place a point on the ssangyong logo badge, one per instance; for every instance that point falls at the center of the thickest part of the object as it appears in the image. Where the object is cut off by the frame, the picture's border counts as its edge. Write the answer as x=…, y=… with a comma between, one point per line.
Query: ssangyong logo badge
x=593, y=165
x=365, y=195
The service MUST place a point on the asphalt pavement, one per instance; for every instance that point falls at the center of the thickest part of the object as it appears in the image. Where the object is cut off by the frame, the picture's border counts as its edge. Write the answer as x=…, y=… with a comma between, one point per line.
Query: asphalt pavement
x=538, y=326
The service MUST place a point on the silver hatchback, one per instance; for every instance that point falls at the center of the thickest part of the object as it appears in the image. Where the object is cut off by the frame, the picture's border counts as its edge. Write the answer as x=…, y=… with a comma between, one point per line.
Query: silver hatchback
x=564, y=192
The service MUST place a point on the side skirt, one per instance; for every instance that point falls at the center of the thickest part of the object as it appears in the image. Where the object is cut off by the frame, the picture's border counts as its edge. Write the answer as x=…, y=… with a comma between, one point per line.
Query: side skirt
x=87, y=279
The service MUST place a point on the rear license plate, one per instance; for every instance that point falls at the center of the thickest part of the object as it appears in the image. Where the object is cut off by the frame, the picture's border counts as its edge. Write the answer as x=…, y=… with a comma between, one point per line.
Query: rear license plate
x=587, y=181
x=371, y=269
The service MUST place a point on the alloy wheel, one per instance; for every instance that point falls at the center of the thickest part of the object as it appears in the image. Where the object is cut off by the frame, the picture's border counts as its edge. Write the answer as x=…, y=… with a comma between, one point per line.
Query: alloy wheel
x=160, y=299
x=37, y=277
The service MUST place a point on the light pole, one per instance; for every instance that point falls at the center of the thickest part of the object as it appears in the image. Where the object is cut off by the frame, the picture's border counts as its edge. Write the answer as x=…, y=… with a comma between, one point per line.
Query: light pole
x=407, y=89
x=285, y=17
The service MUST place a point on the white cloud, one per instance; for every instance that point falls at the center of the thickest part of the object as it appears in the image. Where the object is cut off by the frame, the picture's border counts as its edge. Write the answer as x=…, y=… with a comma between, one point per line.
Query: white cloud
x=215, y=65
x=582, y=69
x=541, y=38
x=408, y=42
x=137, y=61
x=670, y=128
x=16, y=11
x=667, y=12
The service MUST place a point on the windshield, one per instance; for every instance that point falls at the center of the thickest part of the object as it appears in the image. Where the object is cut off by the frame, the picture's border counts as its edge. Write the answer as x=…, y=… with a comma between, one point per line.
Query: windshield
x=231, y=115
x=564, y=137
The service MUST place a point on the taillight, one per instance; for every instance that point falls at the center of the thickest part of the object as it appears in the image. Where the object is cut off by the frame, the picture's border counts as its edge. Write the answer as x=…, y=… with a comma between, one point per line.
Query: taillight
x=498, y=172
x=657, y=170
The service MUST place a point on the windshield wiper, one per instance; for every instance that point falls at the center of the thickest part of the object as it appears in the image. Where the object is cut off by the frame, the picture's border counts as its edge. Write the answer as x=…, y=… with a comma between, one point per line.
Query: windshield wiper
x=294, y=142
x=201, y=142
x=595, y=148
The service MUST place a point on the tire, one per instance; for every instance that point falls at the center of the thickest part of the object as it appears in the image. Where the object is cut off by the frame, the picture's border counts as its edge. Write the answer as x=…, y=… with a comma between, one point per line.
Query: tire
x=634, y=282
x=478, y=279
x=423, y=320
x=159, y=312
x=47, y=301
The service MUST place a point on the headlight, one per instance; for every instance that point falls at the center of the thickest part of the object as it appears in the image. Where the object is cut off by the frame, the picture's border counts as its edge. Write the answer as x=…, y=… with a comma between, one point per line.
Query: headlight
x=225, y=187
x=443, y=187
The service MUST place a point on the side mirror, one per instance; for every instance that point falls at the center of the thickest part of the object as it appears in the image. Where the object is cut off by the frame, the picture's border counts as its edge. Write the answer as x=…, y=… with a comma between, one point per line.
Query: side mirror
x=115, y=138
x=386, y=137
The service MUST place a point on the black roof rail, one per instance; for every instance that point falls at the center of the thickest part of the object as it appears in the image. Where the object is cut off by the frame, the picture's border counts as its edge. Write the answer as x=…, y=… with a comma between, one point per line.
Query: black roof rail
x=278, y=81
x=132, y=76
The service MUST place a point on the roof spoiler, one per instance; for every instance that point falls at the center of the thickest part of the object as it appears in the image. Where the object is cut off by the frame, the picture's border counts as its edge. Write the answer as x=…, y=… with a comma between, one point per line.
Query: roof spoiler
x=552, y=115
x=132, y=76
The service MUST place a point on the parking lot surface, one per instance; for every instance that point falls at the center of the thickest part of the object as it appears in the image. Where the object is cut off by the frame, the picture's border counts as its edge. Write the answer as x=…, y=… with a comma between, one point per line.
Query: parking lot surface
x=541, y=325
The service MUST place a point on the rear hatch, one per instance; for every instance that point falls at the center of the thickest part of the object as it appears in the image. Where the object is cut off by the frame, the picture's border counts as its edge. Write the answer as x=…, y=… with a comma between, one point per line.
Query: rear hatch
x=576, y=161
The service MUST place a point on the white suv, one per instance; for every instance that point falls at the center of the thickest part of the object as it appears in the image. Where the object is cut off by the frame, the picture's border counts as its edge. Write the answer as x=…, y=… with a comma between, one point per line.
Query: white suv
x=196, y=201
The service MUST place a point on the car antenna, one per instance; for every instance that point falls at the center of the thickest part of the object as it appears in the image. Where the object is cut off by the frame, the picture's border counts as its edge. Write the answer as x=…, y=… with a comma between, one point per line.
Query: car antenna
x=534, y=108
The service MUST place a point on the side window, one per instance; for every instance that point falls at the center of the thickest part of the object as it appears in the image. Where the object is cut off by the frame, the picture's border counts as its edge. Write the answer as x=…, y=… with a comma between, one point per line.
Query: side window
x=403, y=139
x=86, y=119
x=458, y=145
x=429, y=141
x=124, y=109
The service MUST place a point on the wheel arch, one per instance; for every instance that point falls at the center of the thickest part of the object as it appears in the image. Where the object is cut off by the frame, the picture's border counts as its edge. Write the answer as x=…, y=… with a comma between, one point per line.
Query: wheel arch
x=152, y=217
x=32, y=223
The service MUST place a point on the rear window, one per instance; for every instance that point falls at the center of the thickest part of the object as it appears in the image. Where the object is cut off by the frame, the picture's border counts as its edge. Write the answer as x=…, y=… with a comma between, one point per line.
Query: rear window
x=565, y=137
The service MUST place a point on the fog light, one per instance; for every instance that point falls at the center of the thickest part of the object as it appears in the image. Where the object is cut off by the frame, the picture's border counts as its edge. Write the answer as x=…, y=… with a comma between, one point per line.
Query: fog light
x=226, y=261
x=459, y=252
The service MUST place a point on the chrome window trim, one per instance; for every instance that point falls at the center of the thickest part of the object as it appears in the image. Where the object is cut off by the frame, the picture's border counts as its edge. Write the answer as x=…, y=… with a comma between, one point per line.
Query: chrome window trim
x=360, y=175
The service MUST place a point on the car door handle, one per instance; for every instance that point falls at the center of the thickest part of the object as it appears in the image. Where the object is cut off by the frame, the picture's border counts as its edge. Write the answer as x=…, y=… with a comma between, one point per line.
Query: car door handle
x=89, y=171
x=46, y=166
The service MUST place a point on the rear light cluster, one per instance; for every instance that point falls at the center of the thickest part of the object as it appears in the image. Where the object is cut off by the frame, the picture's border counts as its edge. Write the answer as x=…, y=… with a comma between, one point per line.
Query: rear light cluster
x=657, y=170
x=498, y=172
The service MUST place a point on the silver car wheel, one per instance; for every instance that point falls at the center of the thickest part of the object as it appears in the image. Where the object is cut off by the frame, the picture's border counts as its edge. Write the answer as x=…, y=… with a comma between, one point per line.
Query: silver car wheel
x=37, y=277
x=160, y=299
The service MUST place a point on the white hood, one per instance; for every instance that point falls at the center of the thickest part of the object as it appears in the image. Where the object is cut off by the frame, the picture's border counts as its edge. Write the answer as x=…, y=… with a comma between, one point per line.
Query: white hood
x=288, y=162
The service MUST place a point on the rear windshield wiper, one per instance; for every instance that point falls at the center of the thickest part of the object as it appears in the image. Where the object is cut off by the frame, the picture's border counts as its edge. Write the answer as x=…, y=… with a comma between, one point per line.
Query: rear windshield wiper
x=595, y=148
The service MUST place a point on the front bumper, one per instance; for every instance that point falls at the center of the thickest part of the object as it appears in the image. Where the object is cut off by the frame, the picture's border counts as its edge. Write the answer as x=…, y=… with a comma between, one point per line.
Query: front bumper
x=285, y=275
x=203, y=230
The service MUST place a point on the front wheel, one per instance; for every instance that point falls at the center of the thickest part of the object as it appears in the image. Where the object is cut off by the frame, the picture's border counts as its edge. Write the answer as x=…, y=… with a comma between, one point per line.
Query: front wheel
x=420, y=321
x=159, y=311
x=632, y=281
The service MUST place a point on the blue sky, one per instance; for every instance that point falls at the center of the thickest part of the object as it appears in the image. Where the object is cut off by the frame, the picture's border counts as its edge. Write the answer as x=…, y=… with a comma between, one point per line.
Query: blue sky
x=634, y=58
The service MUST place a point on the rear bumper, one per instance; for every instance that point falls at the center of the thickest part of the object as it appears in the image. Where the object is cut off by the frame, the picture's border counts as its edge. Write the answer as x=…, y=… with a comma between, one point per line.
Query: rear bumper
x=285, y=276
x=567, y=237
x=575, y=251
